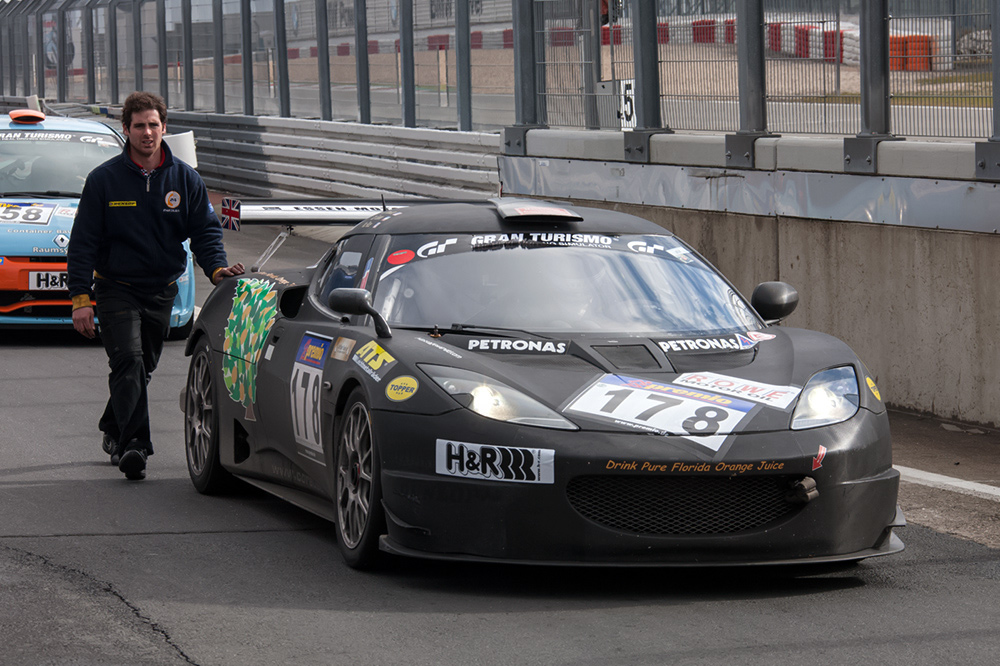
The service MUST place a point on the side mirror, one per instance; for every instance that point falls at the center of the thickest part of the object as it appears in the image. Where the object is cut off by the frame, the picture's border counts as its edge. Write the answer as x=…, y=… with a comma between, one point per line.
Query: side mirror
x=774, y=301
x=358, y=302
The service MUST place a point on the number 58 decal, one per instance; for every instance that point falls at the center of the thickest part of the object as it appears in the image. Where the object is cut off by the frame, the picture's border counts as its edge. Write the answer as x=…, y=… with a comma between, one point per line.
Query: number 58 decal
x=701, y=417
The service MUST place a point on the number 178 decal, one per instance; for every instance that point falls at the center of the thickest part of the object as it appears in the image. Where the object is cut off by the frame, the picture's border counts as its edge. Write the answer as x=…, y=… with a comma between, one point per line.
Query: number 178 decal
x=701, y=417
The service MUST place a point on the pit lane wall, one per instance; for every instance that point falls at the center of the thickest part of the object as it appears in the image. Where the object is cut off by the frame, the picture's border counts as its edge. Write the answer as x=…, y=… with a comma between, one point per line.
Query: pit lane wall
x=903, y=265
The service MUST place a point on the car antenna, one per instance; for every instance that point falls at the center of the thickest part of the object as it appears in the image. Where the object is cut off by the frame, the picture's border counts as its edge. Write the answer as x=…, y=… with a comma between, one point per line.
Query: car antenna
x=384, y=207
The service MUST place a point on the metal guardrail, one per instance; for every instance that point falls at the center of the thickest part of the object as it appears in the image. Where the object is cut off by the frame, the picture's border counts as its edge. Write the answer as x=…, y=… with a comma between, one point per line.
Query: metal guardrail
x=286, y=157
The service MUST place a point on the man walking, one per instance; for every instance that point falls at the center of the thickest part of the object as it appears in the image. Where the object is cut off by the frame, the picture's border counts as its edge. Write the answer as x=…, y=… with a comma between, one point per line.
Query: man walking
x=126, y=252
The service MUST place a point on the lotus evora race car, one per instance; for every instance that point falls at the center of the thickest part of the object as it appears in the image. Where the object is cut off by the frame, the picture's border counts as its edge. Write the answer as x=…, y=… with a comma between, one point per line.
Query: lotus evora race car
x=513, y=380
x=44, y=163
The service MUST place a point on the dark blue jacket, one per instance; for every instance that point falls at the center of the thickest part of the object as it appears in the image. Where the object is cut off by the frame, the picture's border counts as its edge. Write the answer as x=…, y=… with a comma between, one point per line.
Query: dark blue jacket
x=131, y=228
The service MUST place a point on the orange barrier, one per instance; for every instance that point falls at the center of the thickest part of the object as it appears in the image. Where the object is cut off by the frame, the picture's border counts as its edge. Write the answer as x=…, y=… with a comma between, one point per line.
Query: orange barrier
x=919, y=51
x=897, y=53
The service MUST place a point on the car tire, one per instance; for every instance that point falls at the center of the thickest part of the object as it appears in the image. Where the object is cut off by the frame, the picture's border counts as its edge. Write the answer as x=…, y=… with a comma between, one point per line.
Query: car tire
x=181, y=332
x=358, y=485
x=201, y=424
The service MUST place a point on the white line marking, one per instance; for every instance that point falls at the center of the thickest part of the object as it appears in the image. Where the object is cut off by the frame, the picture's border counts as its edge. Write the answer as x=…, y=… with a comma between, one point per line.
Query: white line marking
x=949, y=483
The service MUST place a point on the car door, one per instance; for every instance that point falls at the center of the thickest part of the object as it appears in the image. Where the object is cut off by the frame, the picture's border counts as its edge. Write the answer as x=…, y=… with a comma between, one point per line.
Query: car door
x=299, y=373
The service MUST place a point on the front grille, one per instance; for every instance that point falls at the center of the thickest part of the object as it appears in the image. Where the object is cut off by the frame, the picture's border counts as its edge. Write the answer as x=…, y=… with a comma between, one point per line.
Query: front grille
x=681, y=505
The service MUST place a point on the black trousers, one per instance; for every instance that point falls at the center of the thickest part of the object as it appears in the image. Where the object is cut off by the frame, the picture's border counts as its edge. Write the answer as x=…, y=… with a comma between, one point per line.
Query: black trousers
x=133, y=326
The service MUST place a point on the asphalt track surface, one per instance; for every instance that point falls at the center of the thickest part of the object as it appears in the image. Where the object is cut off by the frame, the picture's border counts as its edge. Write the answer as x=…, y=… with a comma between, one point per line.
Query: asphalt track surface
x=98, y=570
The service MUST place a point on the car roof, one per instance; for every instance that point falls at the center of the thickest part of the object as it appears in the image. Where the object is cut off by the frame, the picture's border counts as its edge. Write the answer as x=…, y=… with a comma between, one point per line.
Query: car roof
x=489, y=217
x=57, y=124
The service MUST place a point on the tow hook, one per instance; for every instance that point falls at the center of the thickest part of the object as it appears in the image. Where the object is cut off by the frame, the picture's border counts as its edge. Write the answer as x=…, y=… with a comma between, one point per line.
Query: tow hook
x=803, y=491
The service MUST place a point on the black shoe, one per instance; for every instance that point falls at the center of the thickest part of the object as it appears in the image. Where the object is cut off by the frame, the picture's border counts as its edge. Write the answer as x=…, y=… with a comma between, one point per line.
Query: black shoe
x=108, y=444
x=133, y=463
x=116, y=458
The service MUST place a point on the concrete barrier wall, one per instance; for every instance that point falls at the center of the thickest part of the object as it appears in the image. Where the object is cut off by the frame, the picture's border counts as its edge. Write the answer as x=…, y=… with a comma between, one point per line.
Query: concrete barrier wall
x=887, y=262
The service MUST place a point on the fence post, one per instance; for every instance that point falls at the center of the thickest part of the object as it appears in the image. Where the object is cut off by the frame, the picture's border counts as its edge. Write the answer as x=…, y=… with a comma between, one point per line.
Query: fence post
x=861, y=152
x=218, y=57
x=281, y=45
x=407, y=75
x=62, y=82
x=161, y=50
x=323, y=60
x=988, y=152
x=463, y=65
x=246, y=55
x=112, y=36
x=752, y=81
x=188, y=51
x=89, y=56
x=525, y=83
x=137, y=42
x=645, y=50
x=39, y=53
x=361, y=65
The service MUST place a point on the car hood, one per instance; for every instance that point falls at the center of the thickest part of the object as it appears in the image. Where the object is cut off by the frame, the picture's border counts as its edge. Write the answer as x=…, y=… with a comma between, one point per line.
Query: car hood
x=42, y=233
x=579, y=377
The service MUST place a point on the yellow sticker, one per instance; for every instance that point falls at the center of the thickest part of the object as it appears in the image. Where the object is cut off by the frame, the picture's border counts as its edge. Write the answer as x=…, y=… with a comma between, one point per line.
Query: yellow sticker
x=871, y=385
x=121, y=204
x=401, y=388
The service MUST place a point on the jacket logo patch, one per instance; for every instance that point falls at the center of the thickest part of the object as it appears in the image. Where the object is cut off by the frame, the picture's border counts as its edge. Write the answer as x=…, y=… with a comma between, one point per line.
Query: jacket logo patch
x=121, y=204
x=173, y=199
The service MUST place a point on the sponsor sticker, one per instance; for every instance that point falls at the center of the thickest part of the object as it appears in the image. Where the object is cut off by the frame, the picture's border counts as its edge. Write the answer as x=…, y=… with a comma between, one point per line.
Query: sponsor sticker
x=736, y=342
x=704, y=418
x=400, y=257
x=508, y=346
x=173, y=199
x=401, y=388
x=122, y=204
x=495, y=463
x=364, y=278
x=757, y=336
x=441, y=347
x=766, y=394
x=720, y=467
x=374, y=360
x=435, y=247
x=305, y=387
x=874, y=389
x=342, y=348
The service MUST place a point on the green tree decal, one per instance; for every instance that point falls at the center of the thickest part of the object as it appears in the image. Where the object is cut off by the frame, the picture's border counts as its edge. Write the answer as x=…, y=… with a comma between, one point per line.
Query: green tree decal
x=254, y=307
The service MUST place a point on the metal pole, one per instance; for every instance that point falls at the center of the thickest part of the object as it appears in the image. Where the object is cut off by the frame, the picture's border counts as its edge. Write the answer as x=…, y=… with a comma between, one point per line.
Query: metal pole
x=188, y=55
x=525, y=90
x=137, y=41
x=463, y=65
x=323, y=57
x=161, y=50
x=995, y=32
x=875, y=68
x=89, y=56
x=39, y=55
x=590, y=34
x=246, y=53
x=647, y=66
x=218, y=57
x=408, y=75
x=62, y=81
x=361, y=67
x=113, y=53
x=750, y=66
x=281, y=44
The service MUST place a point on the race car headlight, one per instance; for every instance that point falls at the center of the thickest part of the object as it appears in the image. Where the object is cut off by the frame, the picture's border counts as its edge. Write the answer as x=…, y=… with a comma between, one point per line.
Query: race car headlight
x=830, y=396
x=494, y=400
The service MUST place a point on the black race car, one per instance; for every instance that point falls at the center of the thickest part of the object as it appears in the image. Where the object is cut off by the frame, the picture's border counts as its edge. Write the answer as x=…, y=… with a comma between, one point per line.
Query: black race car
x=519, y=381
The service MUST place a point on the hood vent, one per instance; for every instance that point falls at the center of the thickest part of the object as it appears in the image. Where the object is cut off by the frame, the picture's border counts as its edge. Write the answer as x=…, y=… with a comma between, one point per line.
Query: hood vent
x=711, y=361
x=628, y=357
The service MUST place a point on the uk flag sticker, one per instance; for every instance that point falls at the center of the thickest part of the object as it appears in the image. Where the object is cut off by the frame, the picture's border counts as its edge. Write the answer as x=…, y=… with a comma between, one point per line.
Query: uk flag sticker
x=231, y=214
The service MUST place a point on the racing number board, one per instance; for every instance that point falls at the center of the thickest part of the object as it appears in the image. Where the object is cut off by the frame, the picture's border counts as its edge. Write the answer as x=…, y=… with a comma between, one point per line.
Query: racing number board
x=699, y=416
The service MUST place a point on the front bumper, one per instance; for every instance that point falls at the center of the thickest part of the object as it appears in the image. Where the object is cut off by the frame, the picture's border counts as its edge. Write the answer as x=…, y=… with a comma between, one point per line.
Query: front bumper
x=627, y=499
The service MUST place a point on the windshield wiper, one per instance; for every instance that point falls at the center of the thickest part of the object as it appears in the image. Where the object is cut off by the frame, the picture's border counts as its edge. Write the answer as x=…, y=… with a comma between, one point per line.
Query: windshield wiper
x=477, y=328
x=59, y=194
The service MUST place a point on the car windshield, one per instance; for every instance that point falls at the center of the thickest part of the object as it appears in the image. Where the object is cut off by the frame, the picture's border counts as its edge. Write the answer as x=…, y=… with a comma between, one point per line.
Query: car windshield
x=34, y=161
x=556, y=283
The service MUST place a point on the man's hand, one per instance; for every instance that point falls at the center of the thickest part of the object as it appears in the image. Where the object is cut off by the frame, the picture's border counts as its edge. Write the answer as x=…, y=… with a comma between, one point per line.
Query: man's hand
x=83, y=321
x=235, y=269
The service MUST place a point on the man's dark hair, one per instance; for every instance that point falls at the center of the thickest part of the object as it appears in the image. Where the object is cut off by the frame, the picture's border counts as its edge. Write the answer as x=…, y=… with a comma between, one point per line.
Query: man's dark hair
x=143, y=101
